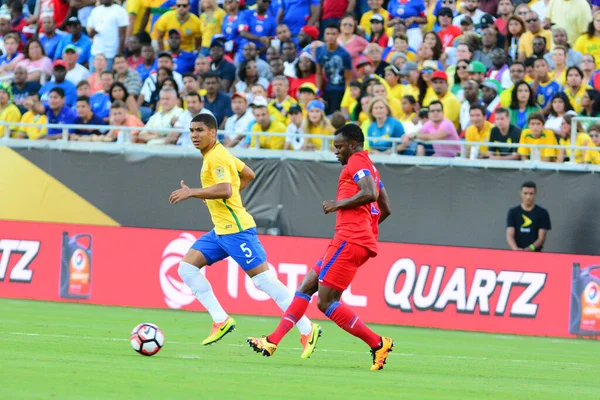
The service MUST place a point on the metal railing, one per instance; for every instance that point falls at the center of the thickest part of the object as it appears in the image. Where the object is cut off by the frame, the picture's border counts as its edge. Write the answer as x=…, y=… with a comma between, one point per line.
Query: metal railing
x=123, y=144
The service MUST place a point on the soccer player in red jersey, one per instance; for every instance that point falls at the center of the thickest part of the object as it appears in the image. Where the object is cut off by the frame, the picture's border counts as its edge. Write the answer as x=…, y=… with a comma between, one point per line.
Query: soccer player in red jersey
x=361, y=204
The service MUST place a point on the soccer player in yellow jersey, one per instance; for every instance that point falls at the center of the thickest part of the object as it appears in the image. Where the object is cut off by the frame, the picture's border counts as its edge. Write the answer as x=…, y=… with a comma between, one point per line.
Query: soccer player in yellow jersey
x=234, y=235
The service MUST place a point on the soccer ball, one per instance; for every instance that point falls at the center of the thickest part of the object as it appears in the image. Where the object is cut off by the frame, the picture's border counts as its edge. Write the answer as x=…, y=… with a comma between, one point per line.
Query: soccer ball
x=147, y=339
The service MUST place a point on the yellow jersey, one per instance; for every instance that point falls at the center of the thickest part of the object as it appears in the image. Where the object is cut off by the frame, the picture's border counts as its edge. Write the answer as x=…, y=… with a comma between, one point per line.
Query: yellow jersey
x=396, y=91
x=429, y=97
x=212, y=26
x=451, y=107
x=318, y=142
x=582, y=139
x=157, y=9
x=34, y=132
x=585, y=45
x=365, y=21
x=137, y=8
x=472, y=134
x=575, y=98
x=190, y=29
x=526, y=41
x=280, y=112
x=546, y=137
x=269, y=142
x=10, y=113
x=228, y=215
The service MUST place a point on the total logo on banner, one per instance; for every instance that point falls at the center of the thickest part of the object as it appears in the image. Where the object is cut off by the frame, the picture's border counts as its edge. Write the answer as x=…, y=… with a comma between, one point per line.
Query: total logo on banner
x=178, y=295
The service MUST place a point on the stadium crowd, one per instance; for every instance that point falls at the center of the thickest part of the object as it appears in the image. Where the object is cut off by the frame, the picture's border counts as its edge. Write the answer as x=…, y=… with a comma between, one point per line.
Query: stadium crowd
x=488, y=71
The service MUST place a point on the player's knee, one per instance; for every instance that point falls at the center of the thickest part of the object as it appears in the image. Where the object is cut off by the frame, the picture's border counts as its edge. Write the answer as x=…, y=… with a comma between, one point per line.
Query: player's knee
x=186, y=270
x=323, y=304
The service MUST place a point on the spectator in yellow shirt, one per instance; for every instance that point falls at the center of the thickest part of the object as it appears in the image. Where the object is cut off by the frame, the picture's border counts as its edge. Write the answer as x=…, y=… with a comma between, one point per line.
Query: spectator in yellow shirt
x=211, y=21
x=8, y=111
x=395, y=104
x=32, y=116
x=534, y=28
x=280, y=105
x=536, y=134
x=582, y=139
x=376, y=8
x=478, y=131
x=182, y=20
x=575, y=88
x=264, y=124
x=439, y=83
x=316, y=123
x=593, y=157
x=589, y=43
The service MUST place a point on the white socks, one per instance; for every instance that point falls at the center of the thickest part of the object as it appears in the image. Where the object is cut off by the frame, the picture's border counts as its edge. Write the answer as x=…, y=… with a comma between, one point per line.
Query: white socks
x=268, y=283
x=202, y=290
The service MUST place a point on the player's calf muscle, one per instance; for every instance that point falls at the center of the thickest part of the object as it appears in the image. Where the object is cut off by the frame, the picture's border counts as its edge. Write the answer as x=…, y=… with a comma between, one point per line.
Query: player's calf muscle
x=310, y=283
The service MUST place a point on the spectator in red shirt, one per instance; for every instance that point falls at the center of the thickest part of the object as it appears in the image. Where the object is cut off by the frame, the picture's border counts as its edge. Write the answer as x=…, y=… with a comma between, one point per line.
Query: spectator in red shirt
x=505, y=11
x=333, y=11
x=306, y=72
x=448, y=32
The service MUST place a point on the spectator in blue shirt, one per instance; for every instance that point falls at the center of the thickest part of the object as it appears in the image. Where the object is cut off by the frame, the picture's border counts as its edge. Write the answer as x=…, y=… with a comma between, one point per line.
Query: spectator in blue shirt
x=216, y=101
x=50, y=38
x=257, y=26
x=85, y=116
x=231, y=24
x=57, y=112
x=59, y=74
x=77, y=38
x=384, y=126
x=100, y=101
x=334, y=64
x=21, y=89
x=145, y=68
x=224, y=69
x=183, y=61
x=298, y=13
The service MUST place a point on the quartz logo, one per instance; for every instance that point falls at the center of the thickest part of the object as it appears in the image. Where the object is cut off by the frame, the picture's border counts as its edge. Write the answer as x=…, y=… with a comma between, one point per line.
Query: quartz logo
x=24, y=251
x=177, y=294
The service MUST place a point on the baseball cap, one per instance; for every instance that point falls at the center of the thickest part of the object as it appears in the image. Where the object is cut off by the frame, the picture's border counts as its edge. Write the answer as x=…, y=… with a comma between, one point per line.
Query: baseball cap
x=241, y=95
x=486, y=20
x=362, y=60
x=315, y=104
x=177, y=31
x=311, y=31
x=476, y=66
x=218, y=40
x=307, y=55
x=430, y=64
x=74, y=21
x=295, y=109
x=408, y=68
x=492, y=84
x=439, y=75
x=376, y=18
x=70, y=47
x=308, y=87
x=259, y=101
x=60, y=63
x=392, y=68
x=369, y=78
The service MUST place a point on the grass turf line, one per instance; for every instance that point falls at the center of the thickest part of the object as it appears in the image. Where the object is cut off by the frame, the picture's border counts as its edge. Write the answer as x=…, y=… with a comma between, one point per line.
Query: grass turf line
x=78, y=351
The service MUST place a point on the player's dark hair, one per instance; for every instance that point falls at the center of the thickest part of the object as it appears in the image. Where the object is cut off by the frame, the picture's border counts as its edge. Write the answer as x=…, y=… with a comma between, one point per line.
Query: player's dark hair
x=477, y=106
x=576, y=68
x=540, y=59
x=83, y=83
x=59, y=91
x=197, y=95
x=352, y=132
x=206, y=119
x=84, y=99
x=333, y=25
x=529, y=184
x=119, y=55
x=189, y=75
x=210, y=74
x=106, y=73
x=536, y=116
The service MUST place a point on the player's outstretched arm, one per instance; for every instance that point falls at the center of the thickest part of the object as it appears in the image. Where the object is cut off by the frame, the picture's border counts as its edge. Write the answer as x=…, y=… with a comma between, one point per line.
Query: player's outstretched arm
x=367, y=193
x=383, y=202
x=218, y=191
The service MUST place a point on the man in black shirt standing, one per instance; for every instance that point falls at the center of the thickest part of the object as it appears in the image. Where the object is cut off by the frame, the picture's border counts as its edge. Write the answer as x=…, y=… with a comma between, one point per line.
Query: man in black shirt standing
x=504, y=132
x=527, y=223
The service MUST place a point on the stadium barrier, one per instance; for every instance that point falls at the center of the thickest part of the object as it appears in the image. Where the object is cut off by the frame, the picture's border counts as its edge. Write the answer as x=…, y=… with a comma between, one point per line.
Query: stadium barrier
x=123, y=145
x=412, y=285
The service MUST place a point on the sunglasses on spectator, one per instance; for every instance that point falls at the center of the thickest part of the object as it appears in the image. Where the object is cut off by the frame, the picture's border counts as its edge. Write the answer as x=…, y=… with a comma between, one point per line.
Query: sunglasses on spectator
x=594, y=134
x=529, y=21
x=522, y=12
x=462, y=66
x=448, y=2
x=427, y=71
x=182, y=5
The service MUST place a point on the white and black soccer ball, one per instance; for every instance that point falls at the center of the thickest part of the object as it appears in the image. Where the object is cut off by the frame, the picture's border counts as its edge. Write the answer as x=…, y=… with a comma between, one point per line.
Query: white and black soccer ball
x=147, y=339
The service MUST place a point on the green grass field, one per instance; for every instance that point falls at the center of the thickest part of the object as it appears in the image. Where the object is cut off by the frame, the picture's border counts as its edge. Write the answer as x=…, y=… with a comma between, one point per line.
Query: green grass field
x=76, y=351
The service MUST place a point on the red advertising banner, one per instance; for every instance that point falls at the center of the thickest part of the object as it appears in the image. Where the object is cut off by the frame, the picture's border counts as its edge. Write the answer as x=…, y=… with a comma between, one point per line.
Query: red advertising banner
x=414, y=285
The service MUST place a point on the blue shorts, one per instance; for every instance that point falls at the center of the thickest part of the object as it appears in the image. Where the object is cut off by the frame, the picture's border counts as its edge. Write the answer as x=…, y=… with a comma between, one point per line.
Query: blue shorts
x=243, y=247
